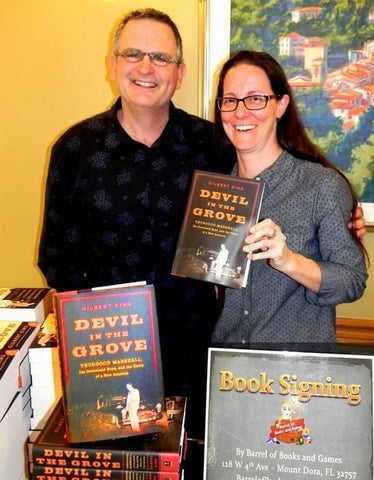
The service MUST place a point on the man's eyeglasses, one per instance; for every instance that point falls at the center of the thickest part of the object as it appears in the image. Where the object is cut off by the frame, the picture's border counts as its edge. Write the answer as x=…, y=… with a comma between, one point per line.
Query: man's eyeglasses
x=251, y=102
x=133, y=55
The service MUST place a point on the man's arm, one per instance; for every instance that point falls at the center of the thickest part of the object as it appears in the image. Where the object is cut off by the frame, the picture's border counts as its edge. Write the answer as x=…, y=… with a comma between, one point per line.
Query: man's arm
x=60, y=250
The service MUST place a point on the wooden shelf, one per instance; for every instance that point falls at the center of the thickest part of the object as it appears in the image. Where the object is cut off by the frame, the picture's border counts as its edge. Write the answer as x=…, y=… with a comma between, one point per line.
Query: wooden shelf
x=355, y=331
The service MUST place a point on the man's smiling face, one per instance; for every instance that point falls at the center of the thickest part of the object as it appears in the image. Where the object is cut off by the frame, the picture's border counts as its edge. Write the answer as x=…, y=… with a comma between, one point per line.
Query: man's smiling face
x=144, y=84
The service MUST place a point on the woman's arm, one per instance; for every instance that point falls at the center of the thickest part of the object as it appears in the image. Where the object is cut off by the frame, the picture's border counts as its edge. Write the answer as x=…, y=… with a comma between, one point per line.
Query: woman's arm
x=341, y=274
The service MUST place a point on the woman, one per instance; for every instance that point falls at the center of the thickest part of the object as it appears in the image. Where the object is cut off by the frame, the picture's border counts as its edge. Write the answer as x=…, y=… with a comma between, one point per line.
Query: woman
x=304, y=259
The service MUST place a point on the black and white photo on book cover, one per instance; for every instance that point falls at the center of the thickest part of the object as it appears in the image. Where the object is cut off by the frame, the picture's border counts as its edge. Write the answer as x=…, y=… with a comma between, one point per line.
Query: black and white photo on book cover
x=288, y=416
x=219, y=212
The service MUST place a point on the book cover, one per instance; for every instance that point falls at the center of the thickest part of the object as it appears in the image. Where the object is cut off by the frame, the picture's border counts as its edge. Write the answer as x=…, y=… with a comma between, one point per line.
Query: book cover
x=25, y=304
x=73, y=473
x=8, y=381
x=110, y=363
x=158, y=452
x=219, y=212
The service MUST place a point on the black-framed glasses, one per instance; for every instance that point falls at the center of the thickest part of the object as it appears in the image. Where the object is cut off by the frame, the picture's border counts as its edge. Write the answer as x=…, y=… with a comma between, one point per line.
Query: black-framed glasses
x=251, y=102
x=133, y=55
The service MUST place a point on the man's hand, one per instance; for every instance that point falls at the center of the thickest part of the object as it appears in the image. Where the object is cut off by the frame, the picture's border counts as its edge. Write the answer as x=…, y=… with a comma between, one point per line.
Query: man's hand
x=357, y=223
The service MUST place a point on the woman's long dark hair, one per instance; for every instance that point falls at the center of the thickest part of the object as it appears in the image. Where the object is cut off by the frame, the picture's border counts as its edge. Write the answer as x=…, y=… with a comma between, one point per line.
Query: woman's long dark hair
x=291, y=134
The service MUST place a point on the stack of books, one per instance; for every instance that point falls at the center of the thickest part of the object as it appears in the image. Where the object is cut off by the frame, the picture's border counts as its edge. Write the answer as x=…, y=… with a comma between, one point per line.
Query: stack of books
x=22, y=310
x=157, y=456
x=113, y=420
x=29, y=304
x=15, y=404
x=45, y=372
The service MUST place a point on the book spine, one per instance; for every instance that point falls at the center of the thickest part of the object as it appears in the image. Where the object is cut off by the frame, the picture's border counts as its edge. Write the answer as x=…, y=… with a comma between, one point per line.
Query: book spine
x=71, y=473
x=44, y=456
x=21, y=336
x=5, y=360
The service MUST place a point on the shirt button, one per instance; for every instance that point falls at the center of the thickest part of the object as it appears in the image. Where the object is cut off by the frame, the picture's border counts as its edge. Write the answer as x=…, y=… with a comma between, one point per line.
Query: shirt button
x=246, y=312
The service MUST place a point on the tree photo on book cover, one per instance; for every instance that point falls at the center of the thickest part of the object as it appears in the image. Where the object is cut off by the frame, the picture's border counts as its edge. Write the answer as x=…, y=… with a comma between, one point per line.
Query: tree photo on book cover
x=111, y=363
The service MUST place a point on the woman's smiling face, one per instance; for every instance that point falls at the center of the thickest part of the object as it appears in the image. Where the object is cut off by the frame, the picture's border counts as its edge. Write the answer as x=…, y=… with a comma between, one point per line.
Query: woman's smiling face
x=251, y=131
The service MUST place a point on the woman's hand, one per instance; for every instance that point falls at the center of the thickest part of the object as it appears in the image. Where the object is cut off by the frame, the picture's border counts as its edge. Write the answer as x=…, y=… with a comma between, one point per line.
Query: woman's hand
x=267, y=241
x=357, y=223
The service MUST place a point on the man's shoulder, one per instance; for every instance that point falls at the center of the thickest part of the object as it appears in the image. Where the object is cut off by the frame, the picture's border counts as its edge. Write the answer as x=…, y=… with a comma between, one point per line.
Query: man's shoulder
x=93, y=125
x=189, y=120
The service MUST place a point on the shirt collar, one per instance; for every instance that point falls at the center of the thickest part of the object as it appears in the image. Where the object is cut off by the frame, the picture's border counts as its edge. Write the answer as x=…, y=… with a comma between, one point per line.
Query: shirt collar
x=121, y=133
x=274, y=174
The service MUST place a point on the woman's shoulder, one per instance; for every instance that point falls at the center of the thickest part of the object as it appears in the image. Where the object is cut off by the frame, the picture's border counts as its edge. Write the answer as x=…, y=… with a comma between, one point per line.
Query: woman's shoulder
x=326, y=174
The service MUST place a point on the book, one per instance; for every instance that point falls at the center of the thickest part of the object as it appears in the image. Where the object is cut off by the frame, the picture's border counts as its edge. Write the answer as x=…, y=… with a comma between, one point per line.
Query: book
x=25, y=304
x=13, y=435
x=46, y=388
x=15, y=339
x=14, y=427
x=8, y=366
x=112, y=381
x=44, y=348
x=73, y=473
x=43, y=399
x=219, y=212
x=158, y=452
x=45, y=371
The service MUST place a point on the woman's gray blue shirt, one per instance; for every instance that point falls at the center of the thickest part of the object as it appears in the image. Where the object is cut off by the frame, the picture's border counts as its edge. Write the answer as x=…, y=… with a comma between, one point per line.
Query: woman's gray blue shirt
x=312, y=205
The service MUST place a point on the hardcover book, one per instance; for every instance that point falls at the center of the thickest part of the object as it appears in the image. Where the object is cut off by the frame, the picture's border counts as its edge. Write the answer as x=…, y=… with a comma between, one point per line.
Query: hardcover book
x=45, y=372
x=15, y=339
x=110, y=363
x=158, y=452
x=73, y=473
x=13, y=434
x=219, y=212
x=8, y=381
x=43, y=349
x=25, y=304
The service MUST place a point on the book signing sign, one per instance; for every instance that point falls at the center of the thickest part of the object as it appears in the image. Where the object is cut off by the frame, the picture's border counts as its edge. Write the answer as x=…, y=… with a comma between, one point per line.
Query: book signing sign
x=288, y=416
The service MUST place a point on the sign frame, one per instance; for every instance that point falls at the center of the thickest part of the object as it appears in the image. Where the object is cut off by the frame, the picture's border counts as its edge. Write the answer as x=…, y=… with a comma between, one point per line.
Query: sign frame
x=274, y=415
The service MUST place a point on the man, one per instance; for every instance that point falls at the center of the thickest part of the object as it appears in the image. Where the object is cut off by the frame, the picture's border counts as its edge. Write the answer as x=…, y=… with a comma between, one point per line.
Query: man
x=220, y=261
x=132, y=407
x=116, y=194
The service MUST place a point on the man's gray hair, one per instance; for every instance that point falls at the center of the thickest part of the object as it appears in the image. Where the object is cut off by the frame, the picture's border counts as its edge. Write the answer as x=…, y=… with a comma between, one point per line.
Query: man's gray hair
x=152, y=14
